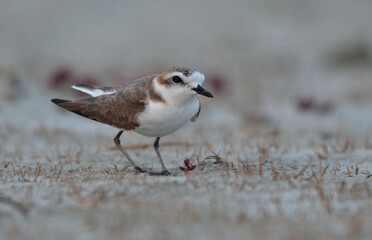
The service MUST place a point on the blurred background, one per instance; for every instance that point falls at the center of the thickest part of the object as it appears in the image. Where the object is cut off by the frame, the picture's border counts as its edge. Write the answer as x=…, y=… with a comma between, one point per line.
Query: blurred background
x=292, y=81
x=290, y=63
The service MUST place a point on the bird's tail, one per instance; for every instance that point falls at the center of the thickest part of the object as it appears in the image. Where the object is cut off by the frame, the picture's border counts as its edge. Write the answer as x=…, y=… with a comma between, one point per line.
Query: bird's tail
x=77, y=107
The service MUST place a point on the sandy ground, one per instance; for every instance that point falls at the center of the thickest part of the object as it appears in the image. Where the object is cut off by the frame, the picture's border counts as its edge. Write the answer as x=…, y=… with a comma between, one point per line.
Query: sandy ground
x=267, y=166
x=60, y=178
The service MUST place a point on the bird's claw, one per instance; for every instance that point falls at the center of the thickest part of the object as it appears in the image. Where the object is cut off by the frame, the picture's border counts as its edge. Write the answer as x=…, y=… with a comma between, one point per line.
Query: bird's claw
x=139, y=170
x=162, y=173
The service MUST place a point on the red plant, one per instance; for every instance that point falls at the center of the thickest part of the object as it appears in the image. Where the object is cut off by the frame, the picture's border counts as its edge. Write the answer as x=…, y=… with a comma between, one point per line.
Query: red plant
x=60, y=76
x=188, y=166
x=305, y=104
x=308, y=104
x=217, y=81
x=85, y=79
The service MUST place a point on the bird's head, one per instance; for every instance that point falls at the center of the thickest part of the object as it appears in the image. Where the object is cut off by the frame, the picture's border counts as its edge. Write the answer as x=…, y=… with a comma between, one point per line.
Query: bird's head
x=179, y=84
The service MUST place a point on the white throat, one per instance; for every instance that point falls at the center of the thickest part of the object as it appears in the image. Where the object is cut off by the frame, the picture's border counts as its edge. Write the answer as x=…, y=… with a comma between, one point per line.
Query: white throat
x=161, y=119
x=180, y=106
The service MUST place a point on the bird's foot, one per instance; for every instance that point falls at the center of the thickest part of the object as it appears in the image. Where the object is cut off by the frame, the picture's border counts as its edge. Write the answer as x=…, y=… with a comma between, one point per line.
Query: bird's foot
x=139, y=170
x=162, y=173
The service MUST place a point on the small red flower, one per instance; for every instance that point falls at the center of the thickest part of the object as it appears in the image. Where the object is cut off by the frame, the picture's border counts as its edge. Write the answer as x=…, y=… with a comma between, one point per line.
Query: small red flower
x=188, y=166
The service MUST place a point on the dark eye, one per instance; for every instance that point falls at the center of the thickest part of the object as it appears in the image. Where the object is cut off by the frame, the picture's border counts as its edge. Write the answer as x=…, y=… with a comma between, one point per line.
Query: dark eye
x=176, y=79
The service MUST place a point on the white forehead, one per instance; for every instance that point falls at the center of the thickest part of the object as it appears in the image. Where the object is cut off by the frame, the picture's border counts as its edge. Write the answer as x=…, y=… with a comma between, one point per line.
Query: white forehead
x=197, y=77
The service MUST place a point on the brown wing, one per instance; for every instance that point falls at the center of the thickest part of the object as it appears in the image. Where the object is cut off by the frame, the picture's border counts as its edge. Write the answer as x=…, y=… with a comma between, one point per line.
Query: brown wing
x=118, y=110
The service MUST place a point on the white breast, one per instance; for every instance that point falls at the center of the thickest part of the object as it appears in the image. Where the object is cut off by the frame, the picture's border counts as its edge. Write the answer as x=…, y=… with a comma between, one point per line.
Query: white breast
x=160, y=119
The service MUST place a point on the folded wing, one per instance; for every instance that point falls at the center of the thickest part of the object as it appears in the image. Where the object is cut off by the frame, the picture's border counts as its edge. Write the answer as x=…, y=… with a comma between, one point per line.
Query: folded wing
x=118, y=109
x=193, y=119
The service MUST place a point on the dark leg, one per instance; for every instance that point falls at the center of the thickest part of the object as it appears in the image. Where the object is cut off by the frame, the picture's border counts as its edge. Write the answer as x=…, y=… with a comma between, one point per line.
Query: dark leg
x=122, y=150
x=165, y=171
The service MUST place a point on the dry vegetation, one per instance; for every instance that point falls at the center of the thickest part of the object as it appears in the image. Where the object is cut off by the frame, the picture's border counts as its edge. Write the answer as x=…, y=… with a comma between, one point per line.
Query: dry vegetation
x=257, y=189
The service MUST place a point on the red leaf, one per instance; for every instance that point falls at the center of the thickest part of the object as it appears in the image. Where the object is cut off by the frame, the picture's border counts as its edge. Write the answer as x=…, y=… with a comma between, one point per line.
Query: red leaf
x=183, y=169
x=188, y=166
x=192, y=167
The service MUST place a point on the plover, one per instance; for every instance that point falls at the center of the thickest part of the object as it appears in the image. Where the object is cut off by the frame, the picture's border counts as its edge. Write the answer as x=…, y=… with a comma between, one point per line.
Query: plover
x=153, y=106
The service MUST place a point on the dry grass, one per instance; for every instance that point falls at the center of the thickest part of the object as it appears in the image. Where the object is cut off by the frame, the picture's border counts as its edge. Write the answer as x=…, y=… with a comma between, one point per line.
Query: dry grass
x=165, y=144
x=240, y=189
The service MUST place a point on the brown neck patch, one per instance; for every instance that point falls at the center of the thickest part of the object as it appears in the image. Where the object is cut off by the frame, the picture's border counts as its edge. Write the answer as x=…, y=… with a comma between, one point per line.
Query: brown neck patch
x=154, y=96
x=163, y=80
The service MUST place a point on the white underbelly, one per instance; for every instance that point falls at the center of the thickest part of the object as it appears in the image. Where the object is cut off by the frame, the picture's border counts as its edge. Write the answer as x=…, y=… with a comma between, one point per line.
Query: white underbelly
x=160, y=119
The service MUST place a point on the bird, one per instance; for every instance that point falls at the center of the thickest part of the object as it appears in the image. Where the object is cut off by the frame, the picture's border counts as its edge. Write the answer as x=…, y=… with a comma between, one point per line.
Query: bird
x=153, y=106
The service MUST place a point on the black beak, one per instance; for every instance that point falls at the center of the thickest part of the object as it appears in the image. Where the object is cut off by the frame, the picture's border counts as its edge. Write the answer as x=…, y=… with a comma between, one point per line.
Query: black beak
x=200, y=90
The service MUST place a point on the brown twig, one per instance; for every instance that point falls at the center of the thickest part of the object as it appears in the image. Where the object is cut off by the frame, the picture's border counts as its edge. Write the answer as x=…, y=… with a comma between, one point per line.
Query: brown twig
x=246, y=166
x=59, y=172
x=165, y=144
x=215, y=156
x=260, y=166
x=304, y=168
x=37, y=171
x=325, y=169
